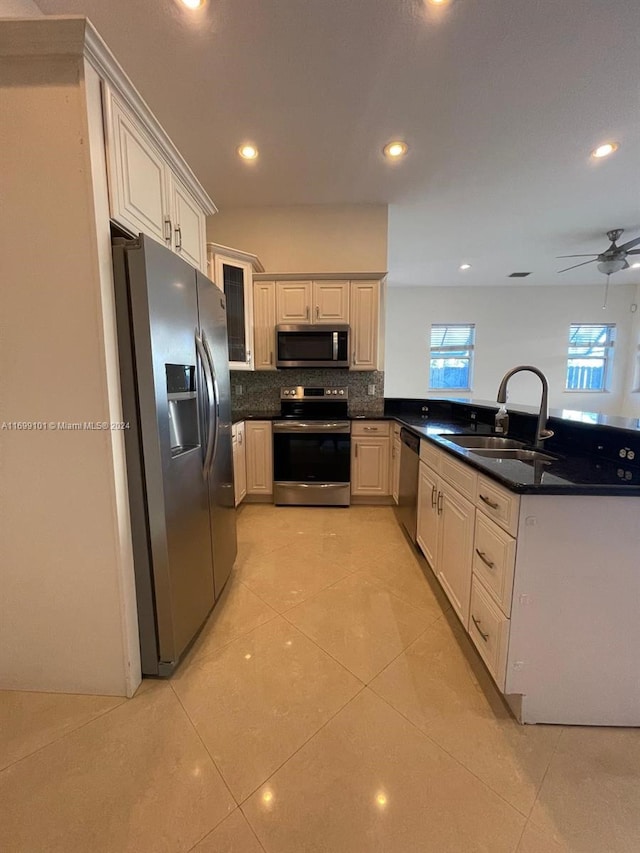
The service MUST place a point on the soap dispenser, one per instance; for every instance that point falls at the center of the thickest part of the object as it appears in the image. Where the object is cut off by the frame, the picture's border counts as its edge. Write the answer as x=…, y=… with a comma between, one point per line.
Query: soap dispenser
x=502, y=420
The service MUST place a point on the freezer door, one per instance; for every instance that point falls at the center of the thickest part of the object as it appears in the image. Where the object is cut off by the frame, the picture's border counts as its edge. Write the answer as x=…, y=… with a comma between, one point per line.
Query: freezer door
x=164, y=321
x=213, y=325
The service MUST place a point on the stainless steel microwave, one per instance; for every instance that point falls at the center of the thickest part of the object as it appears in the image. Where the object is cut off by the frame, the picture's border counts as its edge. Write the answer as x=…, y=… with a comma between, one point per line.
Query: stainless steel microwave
x=312, y=346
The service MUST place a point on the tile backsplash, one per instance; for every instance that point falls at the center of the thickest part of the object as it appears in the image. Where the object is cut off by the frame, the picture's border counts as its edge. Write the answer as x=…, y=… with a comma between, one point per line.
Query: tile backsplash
x=260, y=392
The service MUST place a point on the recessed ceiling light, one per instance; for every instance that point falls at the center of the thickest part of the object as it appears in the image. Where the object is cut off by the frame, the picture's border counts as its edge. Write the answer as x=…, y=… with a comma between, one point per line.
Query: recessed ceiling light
x=248, y=152
x=465, y=266
x=192, y=4
x=395, y=149
x=604, y=150
x=438, y=2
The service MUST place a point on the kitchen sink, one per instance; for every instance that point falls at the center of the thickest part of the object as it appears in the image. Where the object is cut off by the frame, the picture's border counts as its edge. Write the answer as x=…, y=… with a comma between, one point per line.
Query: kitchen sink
x=485, y=442
x=519, y=453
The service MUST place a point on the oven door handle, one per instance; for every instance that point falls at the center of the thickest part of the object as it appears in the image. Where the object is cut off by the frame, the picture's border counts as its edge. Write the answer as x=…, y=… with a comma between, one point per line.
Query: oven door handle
x=306, y=426
x=315, y=485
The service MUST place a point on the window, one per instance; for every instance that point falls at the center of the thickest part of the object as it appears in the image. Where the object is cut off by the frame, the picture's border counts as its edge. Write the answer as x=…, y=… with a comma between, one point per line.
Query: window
x=590, y=357
x=451, y=363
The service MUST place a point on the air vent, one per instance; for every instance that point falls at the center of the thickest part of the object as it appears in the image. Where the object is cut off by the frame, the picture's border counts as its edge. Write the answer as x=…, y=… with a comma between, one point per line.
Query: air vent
x=519, y=274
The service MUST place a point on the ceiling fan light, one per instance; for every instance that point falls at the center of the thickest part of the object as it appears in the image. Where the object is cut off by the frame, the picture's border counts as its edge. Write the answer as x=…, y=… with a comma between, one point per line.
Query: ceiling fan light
x=610, y=266
x=604, y=150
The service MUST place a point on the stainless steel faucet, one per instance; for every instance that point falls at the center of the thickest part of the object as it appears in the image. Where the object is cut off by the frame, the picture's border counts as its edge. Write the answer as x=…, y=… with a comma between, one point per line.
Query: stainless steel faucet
x=541, y=430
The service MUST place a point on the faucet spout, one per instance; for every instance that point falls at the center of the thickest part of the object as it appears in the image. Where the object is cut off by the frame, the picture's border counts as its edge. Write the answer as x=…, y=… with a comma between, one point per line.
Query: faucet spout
x=542, y=432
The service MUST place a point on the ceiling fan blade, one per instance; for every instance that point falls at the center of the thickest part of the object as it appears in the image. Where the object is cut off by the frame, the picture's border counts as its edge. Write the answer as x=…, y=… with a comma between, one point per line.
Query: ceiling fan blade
x=630, y=245
x=575, y=266
x=590, y=255
x=634, y=252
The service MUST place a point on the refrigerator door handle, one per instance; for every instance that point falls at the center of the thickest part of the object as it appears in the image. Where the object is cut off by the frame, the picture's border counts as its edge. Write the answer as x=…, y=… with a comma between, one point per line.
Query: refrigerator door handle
x=208, y=380
x=215, y=401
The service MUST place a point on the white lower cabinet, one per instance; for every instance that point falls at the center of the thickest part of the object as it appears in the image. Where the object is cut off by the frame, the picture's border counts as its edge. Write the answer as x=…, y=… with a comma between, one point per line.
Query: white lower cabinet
x=428, y=521
x=370, y=444
x=239, y=462
x=259, y=454
x=489, y=630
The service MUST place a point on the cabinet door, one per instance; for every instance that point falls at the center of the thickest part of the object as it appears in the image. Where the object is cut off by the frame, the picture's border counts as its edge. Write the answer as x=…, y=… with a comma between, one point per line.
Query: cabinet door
x=370, y=466
x=235, y=278
x=365, y=325
x=395, y=468
x=293, y=301
x=259, y=452
x=455, y=544
x=264, y=319
x=239, y=463
x=428, y=520
x=138, y=175
x=330, y=302
x=188, y=222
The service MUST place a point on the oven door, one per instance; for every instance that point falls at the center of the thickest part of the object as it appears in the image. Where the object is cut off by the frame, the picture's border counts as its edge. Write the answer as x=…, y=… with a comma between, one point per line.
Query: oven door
x=312, y=463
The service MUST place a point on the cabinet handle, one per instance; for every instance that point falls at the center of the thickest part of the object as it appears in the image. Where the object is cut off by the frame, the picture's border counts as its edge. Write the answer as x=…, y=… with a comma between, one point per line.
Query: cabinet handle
x=440, y=496
x=239, y=438
x=434, y=498
x=354, y=357
x=393, y=452
x=167, y=230
x=489, y=503
x=317, y=312
x=484, y=559
x=371, y=429
x=179, y=238
x=307, y=313
x=477, y=623
x=248, y=356
x=356, y=449
x=271, y=357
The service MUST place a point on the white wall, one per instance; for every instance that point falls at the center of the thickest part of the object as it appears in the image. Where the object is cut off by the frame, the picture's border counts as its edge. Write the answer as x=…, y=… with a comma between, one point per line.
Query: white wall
x=631, y=403
x=67, y=597
x=307, y=238
x=514, y=325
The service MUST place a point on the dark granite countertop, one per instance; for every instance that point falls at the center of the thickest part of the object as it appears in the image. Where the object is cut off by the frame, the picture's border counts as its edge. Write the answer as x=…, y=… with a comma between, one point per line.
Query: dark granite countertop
x=567, y=475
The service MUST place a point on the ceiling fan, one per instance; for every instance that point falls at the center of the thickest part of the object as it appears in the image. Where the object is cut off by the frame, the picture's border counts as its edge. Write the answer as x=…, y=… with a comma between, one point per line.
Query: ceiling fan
x=611, y=260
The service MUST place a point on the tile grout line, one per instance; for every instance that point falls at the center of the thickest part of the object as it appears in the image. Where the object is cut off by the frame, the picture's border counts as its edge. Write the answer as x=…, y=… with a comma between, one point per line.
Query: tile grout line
x=63, y=735
x=311, y=737
x=453, y=757
x=537, y=796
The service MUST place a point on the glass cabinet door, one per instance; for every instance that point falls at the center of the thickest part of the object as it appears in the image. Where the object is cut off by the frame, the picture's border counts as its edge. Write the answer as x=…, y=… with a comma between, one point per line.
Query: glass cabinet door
x=235, y=279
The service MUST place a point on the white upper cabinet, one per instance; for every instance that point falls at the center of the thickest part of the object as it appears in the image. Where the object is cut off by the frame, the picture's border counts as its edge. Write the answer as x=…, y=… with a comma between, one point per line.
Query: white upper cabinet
x=232, y=271
x=137, y=174
x=330, y=302
x=146, y=193
x=312, y=302
x=189, y=225
x=367, y=333
x=293, y=302
x=264, y=313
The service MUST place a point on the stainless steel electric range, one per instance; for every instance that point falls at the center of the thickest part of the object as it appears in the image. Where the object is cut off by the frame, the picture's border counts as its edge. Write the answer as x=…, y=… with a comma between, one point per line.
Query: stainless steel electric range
x=312, y=447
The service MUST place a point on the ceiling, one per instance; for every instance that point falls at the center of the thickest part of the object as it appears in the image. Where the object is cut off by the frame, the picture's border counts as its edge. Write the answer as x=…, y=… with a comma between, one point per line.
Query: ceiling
x=500, y=101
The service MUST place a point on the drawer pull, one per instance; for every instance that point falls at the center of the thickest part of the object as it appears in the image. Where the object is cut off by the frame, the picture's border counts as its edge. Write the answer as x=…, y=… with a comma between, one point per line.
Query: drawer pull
x=440, y=503
x=371, y=429
x=477, y=623
x=489, y=502
x=434, y=496
x=484, y=559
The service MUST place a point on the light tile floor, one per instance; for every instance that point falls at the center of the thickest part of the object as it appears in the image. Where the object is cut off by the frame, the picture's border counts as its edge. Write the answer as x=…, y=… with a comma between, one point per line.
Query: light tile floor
x=332, y=703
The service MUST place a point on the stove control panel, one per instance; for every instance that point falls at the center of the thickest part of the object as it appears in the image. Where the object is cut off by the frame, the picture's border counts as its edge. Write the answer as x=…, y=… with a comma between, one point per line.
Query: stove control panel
x=302, y=392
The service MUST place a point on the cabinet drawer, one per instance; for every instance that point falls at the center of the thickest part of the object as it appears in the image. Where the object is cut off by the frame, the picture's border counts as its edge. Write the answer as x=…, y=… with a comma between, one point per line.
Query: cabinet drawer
x=370, y=428
x=489, y=630
x=494, y=556
x=430, y=455
x=499, y=504
x=458, y=475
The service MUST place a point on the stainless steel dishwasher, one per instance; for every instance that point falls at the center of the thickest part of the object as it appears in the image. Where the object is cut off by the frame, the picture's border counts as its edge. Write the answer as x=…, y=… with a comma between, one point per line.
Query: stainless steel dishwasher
x=408, y=488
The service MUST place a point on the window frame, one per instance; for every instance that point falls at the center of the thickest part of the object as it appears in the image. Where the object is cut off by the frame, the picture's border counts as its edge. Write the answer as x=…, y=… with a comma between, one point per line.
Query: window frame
x=608, y=348
x=470, y=348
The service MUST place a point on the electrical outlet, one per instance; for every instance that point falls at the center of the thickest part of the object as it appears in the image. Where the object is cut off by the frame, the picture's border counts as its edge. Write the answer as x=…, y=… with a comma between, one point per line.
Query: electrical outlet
x=372, y=390
x=238, y=390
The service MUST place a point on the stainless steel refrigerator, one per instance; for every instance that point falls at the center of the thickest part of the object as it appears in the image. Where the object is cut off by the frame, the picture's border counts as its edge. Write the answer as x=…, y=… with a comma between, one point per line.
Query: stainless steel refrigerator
x=174, y=372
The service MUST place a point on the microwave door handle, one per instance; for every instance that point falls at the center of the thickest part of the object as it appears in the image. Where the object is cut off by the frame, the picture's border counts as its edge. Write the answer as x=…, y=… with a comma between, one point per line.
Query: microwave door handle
x=215, y=402
x=208, y=382
x=335, y=346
